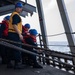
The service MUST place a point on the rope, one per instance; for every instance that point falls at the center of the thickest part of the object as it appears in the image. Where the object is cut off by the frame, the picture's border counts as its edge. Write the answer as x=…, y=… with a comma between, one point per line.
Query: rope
x=59, y=34
x=53, y=35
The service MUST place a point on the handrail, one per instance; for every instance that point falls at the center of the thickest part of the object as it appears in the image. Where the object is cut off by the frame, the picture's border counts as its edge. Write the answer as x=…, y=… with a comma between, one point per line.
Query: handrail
x=26, y=51
x=43, y=49
x=60, y=63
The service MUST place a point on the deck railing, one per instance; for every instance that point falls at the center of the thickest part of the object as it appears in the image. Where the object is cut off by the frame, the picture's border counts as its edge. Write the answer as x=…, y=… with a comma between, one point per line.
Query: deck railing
x=46, y=56
x=57, y=59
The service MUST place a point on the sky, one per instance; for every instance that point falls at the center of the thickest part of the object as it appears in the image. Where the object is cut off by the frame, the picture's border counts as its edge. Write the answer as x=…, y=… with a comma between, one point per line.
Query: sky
x=52, y=17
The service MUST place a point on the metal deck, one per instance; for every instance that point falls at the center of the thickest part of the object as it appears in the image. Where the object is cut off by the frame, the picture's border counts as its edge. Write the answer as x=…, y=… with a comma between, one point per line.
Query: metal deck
x=47, y=70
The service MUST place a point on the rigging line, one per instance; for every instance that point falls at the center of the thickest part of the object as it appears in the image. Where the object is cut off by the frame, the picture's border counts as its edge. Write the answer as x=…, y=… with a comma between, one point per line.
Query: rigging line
x=54, y=34
x=59, y=34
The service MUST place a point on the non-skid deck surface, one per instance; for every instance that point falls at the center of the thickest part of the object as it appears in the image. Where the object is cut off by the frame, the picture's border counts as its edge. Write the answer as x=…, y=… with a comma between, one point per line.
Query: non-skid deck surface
x=47, y=70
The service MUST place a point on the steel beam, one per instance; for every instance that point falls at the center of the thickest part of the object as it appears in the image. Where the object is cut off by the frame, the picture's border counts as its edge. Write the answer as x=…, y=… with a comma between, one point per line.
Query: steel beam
x=42, y=22
x=27, y=8
x=67, y=25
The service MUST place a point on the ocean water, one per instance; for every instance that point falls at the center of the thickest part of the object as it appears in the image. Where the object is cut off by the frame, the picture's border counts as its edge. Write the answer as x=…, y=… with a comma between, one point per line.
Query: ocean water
x=59, y=46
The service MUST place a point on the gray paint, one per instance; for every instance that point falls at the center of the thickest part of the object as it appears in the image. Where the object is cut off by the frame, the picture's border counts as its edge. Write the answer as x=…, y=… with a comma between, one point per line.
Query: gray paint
x=67, y=26
x=42, y=22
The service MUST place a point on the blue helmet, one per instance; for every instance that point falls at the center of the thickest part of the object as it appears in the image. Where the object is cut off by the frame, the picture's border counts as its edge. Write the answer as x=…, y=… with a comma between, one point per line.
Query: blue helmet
x=27, y=25
x=7, y=17
x=19, y=4
x=33, y=32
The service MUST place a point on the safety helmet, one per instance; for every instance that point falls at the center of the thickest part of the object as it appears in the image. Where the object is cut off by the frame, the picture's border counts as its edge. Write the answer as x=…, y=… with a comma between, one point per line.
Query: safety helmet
x=27, y=25
x=33, y=32
x=19, y=4
x=7, y=17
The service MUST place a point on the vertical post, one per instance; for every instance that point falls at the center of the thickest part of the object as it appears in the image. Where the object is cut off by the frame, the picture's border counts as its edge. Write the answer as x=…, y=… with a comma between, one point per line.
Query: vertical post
x=42, y=26
x=42, y=22
x=67, y=26
x=25, y=1
x=40, y=40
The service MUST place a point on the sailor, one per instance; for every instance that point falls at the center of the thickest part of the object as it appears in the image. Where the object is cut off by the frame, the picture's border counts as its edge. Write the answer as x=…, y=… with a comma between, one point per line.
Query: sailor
x=4, y=34
x=25, y=29
x=15, y=34
x=31, y=40
x=4, y=27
